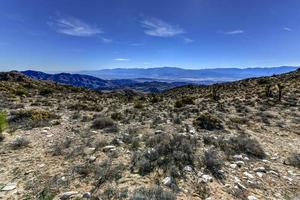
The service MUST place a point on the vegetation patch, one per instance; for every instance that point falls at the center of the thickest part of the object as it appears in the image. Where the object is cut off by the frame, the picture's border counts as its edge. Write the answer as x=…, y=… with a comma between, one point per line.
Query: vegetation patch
x=209, y=122
x=153, y=193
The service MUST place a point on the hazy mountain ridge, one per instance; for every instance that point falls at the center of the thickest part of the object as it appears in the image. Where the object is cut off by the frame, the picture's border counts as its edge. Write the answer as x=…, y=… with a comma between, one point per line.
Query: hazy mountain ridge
x=188, y=75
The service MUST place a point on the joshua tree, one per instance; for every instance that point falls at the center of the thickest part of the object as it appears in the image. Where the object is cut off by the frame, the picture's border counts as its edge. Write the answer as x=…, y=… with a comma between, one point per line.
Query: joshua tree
x=268, y=91
x=215, y=94
x=280, y=88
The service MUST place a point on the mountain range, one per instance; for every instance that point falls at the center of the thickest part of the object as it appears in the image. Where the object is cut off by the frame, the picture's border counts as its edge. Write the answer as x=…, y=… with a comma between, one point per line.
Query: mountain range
x=153, y=79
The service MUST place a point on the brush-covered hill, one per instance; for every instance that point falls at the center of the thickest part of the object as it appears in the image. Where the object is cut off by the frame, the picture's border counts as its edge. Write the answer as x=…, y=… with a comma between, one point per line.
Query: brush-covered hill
x=238, y=140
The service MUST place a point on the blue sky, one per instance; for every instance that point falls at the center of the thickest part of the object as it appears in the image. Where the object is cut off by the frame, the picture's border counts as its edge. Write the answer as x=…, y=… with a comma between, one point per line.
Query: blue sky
x=71, y=35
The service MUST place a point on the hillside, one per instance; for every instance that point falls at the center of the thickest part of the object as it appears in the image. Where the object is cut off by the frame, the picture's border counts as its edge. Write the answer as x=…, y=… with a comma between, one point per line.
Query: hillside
x=238, y=140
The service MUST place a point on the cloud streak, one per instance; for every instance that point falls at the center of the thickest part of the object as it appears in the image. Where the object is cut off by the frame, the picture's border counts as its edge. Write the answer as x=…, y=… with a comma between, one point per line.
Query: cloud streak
x=158, y=28
x=74, y=27
x=234, y=32
x=121, y=59
x=287, y=29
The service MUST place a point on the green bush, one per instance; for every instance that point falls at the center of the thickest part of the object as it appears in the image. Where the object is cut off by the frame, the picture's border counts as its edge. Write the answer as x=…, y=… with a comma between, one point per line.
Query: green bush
x=3, y=121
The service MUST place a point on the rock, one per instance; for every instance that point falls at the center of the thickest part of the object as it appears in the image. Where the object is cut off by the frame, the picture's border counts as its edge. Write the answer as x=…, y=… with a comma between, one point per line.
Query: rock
x=87, y=195
x=274, y=173
x=259, y=174
x=240, y=186
x=206, y=178
x=67, y=195
x=44, y=132
x=109, y=148
x=157, y=132
x=239, y=163
x=188, y=168
x=89, y=150
x=92, y=158
x=260, y=169
x=249, y=175
x=167, y=181
x=238, y=157
x=9, y=187
x=46, y=128
x=252, y=198
x=233, y=166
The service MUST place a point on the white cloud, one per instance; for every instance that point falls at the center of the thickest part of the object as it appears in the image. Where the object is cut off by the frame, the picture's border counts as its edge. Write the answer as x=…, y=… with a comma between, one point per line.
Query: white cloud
x=234, y=32
x=287, y=29
x=187, y=40
x=74, y=27
x=122, y=59
x=158, y=28
x=105, y=40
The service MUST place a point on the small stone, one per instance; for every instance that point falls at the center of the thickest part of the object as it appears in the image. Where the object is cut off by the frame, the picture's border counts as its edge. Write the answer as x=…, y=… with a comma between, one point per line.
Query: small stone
x=9, y=186
x=44, y=132
x=109, y=148
x=207, y=178
x=259, y=174
x=92, y=158
x=89, y=150
x=252, y=198
x=260, y=169
x=50, y=135
x=167, y=181
x=67, y=195
x=157, y=132
x=274, y=173
x=238, y=157
x=87, y=195
x=239, y=163
x=63, y=178
x=233, y=166
x=46, y=128
x=242, y=187
x=188, y=168
x=249, y=175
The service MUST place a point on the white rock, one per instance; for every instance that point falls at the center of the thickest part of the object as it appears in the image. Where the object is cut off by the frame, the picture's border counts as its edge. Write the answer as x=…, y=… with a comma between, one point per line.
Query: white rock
x=44, y=132
x=233, y=166
x=274, y=173
x=260, y=169
x=249, y=175
x=92, y=158
x=239, y=163
x=167, y=181
x=89, y=150
x=67, y=195
x=259, y=174
x=9, y=186
x=46, y=128
x=207, y=178
x=238, y=157
x=109, y=148
x=242, y=187
x=188, y=168
x=252, y=198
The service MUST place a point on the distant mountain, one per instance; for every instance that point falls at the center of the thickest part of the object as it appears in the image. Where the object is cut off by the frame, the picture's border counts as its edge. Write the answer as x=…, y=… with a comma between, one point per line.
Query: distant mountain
x=100, y=84
x=200, y=76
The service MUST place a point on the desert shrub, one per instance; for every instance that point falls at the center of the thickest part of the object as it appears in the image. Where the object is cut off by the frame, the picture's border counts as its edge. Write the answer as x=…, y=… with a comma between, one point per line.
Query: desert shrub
x=116, y=116
x=209, y=122
x=293, y=160
x=202, y=189
x=20, y=142
x=214, y=162
x=103, y=123
x=46, y=91
x=3, y=121
x=184, y=101
x=87, y=106
x=138, y=105
x=31, y=118
x=60, y=145
x=242, y=144
x=153, y=193
x=20, y=92
x=114, y=193
x=164, y=151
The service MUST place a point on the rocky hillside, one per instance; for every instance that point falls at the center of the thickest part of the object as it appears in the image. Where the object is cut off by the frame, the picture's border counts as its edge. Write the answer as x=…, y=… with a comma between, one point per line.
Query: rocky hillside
x=229, y=141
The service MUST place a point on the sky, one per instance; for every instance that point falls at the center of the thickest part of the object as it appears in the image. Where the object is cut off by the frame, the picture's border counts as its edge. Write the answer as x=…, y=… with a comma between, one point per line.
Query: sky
x=72, y=35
